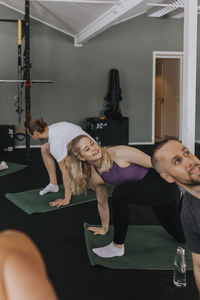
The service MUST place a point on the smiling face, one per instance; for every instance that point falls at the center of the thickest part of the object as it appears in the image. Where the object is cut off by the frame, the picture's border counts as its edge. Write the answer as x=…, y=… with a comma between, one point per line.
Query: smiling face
x=88, y=149
x=178, y=164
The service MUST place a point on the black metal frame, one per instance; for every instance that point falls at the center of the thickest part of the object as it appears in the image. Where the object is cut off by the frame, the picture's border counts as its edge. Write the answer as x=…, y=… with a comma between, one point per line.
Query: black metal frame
x=27, y=67
x=8, y=20
x=26, y=70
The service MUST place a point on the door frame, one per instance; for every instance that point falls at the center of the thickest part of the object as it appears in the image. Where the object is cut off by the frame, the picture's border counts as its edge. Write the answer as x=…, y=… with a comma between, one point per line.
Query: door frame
x=166, y=54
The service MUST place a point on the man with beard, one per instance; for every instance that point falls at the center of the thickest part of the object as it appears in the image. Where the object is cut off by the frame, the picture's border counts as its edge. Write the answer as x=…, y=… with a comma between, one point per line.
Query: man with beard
x=176, y=164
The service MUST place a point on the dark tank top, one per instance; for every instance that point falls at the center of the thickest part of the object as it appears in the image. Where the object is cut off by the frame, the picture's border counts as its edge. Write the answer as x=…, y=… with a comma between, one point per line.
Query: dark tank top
x=117, y=175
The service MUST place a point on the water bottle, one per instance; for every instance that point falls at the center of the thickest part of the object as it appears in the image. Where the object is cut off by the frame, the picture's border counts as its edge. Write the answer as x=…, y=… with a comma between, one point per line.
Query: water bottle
x=179, y=276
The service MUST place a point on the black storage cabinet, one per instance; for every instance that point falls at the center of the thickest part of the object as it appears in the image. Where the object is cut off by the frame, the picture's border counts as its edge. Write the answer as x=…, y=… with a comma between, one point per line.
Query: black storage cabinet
x=108, y=132
x=7, y=138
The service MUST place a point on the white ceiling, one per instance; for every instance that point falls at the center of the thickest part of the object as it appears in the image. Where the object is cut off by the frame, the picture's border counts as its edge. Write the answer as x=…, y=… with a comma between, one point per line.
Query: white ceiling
x=81, y=19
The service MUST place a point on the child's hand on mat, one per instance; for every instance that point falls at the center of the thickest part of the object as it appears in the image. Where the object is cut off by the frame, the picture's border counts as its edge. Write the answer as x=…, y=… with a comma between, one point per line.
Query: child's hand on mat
x=59, y=202
x=98, y=230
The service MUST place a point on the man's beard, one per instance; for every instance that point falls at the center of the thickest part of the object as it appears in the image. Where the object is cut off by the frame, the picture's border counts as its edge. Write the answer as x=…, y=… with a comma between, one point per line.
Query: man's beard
x=192, y=182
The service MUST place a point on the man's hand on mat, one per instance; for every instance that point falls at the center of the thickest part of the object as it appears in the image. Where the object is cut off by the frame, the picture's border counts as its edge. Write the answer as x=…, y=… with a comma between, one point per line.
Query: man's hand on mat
x=59, y=202
x=98, y=230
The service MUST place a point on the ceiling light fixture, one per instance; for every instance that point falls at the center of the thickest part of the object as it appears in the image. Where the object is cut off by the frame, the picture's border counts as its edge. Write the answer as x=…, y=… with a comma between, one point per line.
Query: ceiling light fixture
x=165, y=8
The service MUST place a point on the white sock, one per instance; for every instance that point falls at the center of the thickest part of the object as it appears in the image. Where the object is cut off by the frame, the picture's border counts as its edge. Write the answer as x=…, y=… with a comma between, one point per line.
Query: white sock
x=109, y=251
x=3, y=165
x=50, y=188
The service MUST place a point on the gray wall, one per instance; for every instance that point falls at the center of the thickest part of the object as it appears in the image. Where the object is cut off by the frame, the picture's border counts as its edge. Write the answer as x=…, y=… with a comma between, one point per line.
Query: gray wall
x=81, y=74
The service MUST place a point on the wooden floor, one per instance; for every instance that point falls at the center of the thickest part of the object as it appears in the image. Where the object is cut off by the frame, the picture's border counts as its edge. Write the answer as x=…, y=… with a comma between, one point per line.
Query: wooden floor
x=60, y=238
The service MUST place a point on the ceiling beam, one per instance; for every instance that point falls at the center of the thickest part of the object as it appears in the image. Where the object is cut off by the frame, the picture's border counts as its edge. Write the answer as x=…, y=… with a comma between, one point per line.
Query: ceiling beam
x=13, y=8
x=167, y=5
x=129, y=18
x=105, y=21
x=37, y=19
x=81, y=1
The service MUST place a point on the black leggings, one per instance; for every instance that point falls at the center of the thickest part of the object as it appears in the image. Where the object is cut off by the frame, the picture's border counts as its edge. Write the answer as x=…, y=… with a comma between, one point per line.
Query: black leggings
x=151, y=191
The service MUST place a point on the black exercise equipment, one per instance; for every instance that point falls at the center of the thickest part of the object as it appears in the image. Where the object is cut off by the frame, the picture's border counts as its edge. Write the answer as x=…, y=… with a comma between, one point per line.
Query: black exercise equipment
x=114, y=96
x=24, y=80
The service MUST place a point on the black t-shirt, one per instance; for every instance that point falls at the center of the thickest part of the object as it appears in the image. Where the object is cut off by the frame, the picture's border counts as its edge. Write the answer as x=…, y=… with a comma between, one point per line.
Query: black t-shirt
x=190, y=217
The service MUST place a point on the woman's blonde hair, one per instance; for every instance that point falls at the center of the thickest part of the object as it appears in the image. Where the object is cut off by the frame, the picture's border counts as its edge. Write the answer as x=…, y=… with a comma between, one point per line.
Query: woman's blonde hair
x=80, y=171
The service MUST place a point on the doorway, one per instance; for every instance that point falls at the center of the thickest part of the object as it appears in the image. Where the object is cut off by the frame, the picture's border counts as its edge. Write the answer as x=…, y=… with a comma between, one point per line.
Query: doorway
x=167, y=96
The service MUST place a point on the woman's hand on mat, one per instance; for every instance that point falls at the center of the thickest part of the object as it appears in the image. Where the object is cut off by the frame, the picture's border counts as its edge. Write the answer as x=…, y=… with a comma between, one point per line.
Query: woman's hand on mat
x=98, y=230
x=59, y=202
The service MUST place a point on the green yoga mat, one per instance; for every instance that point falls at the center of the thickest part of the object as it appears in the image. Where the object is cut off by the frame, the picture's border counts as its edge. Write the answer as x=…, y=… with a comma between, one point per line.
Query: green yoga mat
x=31, y=202
x=12, y=168
x=146, y=247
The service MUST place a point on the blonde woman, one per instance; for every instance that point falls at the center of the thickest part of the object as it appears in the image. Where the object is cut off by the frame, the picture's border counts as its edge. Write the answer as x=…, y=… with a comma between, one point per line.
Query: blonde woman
x=130, y=170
